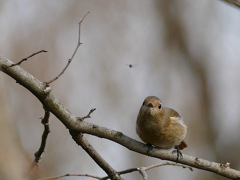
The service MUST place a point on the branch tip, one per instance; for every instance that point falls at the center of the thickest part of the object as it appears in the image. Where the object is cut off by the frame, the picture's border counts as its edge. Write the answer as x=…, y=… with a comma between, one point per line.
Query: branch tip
x=87, y=116
x=75, y=51
x=25, y=59
x=81, y=20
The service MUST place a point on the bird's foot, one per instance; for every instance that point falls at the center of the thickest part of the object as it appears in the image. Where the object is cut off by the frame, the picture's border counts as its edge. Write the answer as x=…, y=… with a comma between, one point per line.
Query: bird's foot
x=179, y=153
x=150, y=147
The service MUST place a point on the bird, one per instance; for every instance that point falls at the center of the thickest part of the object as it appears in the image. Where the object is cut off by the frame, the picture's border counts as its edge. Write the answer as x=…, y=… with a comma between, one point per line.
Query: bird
x=161, y=126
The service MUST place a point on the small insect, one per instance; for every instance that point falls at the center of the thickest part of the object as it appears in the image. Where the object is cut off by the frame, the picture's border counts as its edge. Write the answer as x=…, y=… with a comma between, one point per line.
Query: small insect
x=131, y=65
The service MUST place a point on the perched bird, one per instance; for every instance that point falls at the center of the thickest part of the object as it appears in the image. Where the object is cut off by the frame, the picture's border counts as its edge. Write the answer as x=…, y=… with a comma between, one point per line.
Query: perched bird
x=161, y=126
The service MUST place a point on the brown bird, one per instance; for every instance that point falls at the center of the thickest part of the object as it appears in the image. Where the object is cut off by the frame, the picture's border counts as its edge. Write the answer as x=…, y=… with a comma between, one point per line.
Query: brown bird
x=161, y=126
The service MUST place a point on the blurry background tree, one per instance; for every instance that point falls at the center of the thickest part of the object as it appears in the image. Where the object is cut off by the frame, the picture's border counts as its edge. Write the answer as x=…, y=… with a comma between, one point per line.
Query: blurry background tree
x=185, y=52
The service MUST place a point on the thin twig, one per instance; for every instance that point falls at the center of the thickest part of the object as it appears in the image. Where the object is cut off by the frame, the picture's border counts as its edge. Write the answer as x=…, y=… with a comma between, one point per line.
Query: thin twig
x=167, y=164
x=87, y=116
x=45, y=122
x=25, y=59
x=65, y=175
x=75, y=51
x=80, y=22
x=143, y=173
x=143, y=170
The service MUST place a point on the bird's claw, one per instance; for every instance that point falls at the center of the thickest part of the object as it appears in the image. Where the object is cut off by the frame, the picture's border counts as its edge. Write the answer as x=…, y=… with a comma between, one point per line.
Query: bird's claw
x=150, y=147
x=179, y=153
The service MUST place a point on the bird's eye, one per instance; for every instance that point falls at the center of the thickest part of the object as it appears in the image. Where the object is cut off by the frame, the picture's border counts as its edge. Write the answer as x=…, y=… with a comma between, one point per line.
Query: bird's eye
x=150, y=105
x=160, y=106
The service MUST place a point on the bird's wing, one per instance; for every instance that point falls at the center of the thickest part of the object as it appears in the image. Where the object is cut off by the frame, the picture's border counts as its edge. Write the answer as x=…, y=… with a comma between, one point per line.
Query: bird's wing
x=172, y=114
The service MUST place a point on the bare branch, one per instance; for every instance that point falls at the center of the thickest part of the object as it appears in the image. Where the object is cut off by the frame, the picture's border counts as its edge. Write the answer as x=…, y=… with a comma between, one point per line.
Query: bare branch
x=80, y=22
x=71, y=122
x=66, y=175
x=87, y=116
x=25, y=59
x=75, y=51
x=45, y=122
x=233, y=2
x=143, y=173
x=166, y=164
x=80, y=140
x=143, y=170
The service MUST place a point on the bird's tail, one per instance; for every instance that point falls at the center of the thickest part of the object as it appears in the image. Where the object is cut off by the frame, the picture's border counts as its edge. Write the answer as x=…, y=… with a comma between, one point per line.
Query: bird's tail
x=182, y=145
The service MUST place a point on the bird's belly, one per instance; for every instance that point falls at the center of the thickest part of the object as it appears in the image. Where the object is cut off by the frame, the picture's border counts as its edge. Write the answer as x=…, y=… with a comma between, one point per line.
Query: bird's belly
x=162, y=138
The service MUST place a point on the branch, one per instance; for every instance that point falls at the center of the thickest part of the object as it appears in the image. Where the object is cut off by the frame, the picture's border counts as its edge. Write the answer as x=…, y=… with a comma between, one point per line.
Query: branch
x=120, y=172
x=143, y=173
x=45, y=122
x=71, y=122
x=25, y=59
x=66, y=175
x=87, y=116
x=233, y=2
x=166, y=164
x=75, y=51
x=143, y=170
x=78, y=138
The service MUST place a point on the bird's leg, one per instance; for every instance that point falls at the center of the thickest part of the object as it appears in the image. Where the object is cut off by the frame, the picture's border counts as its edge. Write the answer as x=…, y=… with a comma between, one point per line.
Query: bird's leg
x=150, y=147
x=179, y=153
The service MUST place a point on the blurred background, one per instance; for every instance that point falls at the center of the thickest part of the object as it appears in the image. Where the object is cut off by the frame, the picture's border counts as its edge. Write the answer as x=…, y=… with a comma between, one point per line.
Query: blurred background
x=185, y=52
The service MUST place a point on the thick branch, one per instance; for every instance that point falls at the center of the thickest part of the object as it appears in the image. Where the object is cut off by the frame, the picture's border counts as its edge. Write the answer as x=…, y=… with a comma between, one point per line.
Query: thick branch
x=71, y=122
x=80, y=140
x=233, y=2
